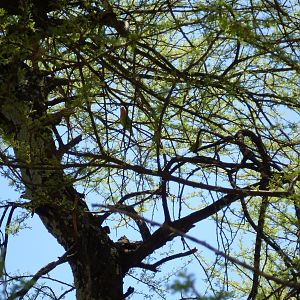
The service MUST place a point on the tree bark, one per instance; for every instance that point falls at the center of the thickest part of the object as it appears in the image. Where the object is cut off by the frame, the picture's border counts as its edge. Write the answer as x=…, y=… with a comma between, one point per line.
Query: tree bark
x=95, y=261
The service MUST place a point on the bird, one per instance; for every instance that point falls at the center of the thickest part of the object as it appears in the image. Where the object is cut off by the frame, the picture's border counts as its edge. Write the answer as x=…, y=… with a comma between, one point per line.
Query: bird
x=123, y=240
x=125, y=121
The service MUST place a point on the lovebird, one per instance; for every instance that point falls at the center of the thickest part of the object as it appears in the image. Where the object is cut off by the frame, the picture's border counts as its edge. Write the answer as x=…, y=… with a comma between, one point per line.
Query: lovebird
x=125, y=120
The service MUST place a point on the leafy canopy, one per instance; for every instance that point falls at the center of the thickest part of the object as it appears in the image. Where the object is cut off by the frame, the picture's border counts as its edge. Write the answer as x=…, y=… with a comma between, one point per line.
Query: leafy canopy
x=212, y=90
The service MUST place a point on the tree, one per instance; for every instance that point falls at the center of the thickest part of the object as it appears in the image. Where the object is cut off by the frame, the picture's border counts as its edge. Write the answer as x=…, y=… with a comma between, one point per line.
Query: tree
x=212, y=91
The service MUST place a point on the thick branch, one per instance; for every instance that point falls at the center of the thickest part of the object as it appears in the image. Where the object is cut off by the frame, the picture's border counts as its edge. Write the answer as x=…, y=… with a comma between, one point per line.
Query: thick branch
x=161, y=236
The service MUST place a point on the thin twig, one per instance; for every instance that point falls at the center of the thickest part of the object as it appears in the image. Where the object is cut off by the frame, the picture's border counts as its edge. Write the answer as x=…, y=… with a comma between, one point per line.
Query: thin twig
x=46, y=269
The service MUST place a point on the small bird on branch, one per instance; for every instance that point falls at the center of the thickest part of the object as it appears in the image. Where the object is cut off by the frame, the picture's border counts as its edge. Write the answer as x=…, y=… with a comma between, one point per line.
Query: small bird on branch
x=125, y=120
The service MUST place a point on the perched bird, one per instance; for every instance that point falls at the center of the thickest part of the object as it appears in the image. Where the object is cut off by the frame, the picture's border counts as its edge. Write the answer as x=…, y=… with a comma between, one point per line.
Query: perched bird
x=123, y=239
x=125, y=120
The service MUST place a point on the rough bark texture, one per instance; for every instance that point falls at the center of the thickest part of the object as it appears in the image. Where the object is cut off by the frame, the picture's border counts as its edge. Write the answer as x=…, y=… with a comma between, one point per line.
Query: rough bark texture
x=95, y=260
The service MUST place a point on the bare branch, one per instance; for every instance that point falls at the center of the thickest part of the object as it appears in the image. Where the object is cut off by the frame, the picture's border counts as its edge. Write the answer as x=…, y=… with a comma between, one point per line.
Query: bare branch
x=46, y=269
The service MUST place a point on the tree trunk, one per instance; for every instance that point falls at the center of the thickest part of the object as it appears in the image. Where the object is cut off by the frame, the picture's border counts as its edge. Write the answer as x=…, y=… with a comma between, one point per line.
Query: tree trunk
x=94, y=259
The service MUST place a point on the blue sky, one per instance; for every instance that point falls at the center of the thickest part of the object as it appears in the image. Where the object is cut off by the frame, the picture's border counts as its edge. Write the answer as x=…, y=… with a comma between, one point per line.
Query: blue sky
x=33, y=247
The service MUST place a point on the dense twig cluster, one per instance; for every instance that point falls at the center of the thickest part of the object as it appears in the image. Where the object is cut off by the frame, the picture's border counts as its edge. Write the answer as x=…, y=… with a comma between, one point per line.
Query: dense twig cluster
x=210, y=89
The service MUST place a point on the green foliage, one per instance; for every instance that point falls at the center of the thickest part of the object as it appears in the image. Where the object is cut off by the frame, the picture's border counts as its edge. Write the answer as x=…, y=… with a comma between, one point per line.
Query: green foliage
x=14, y=290
x=212, y=94
x=185, y=285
